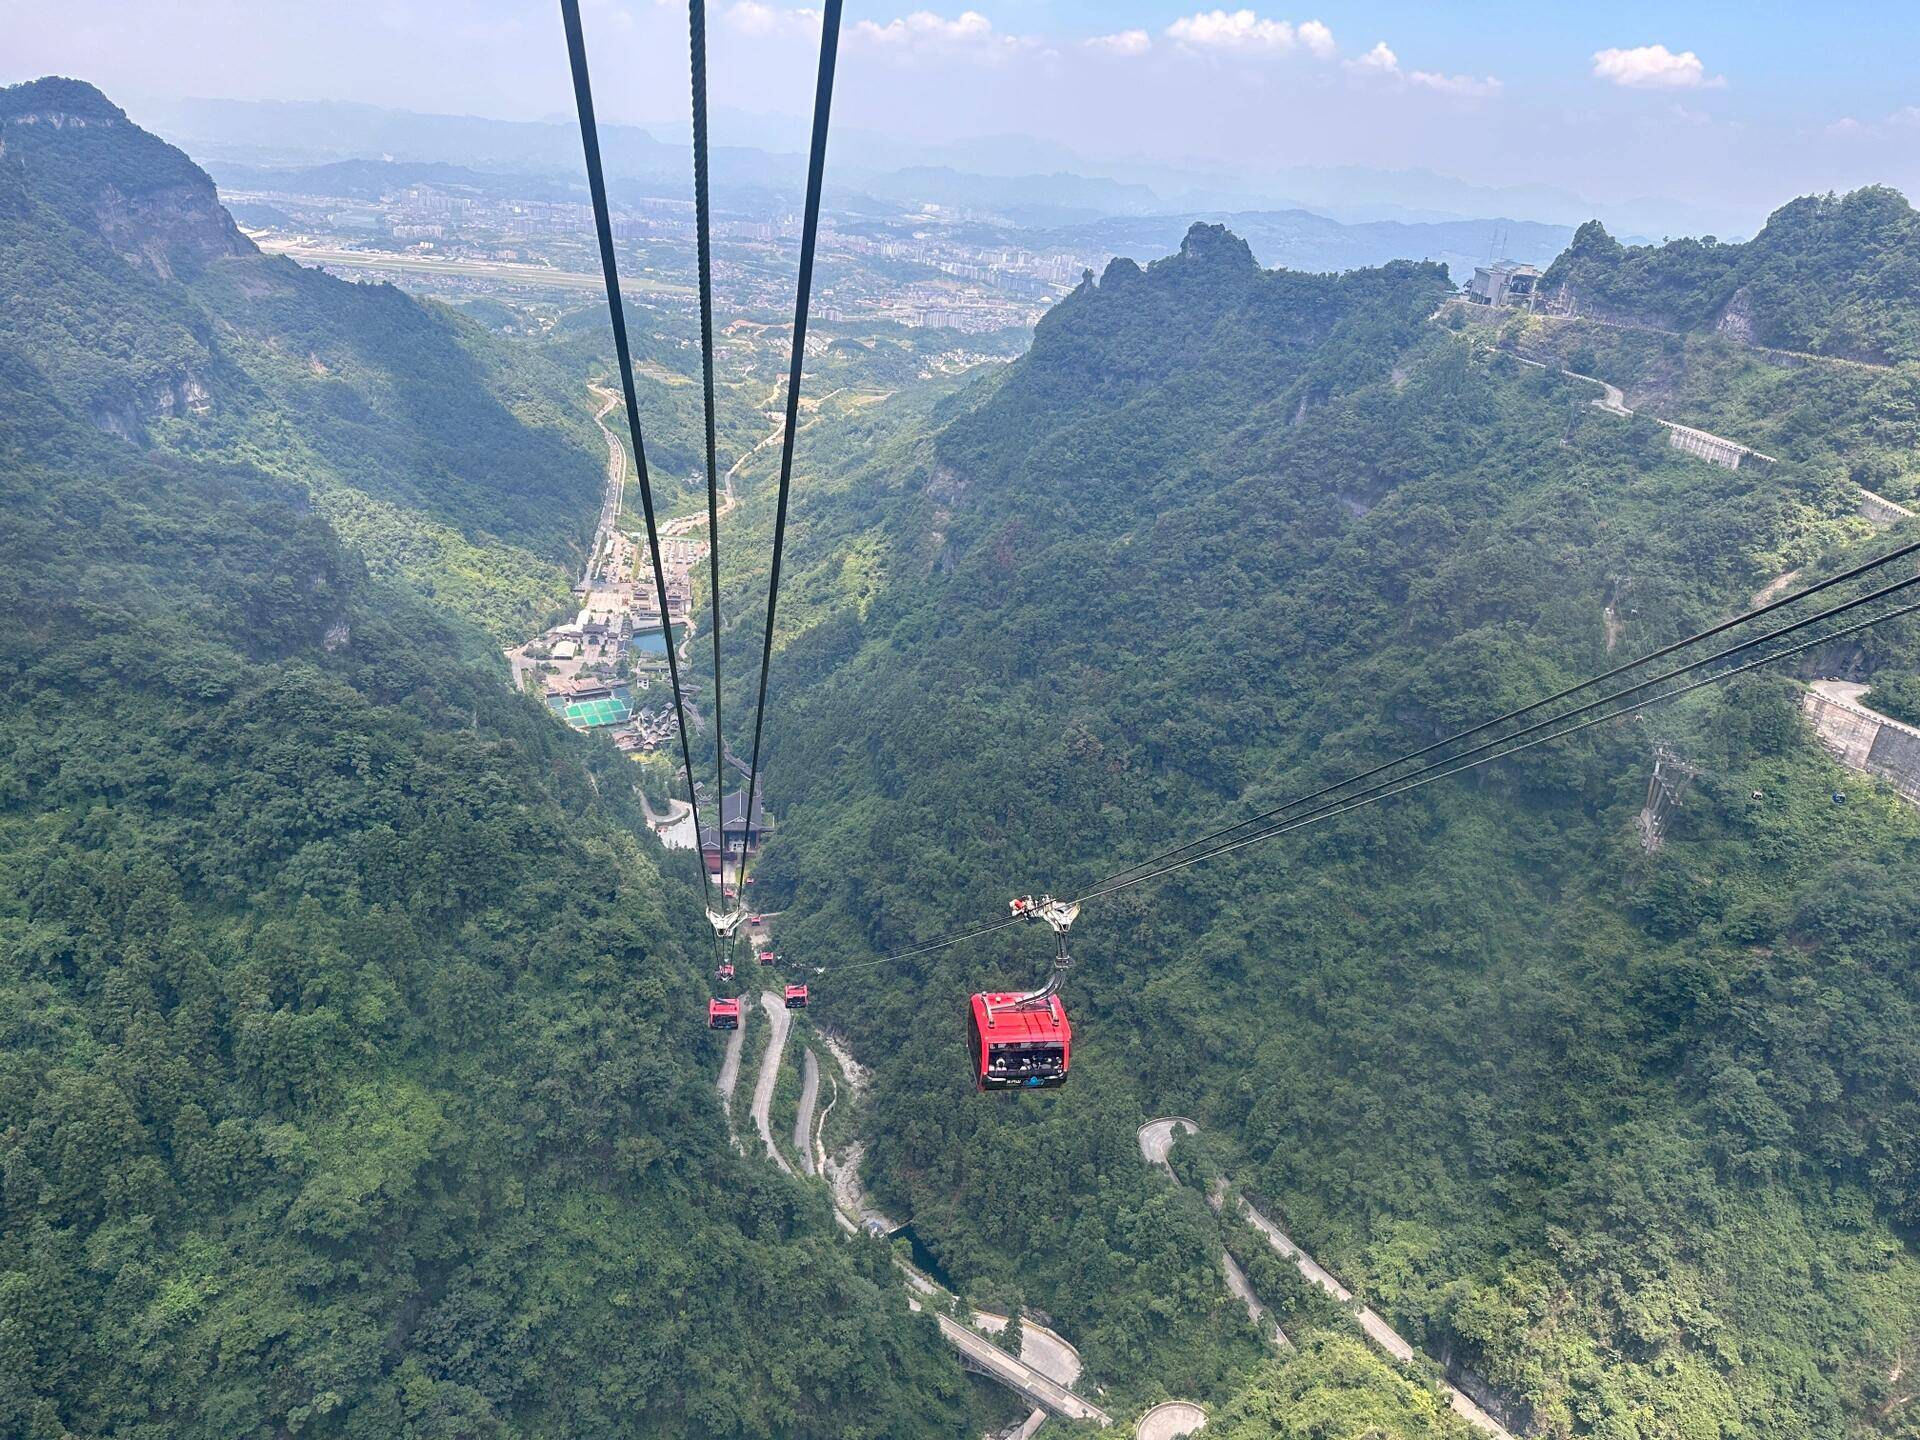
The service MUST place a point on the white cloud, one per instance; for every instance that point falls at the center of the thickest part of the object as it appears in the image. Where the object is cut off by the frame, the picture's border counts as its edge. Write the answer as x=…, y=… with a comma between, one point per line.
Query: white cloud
x=1380, y=60
x=1126, y=42
x=1849, y=127
x=1316, y=37
x=1244, y=31
x=751, y=17
x=1653, y=67
x=1465, y=87
x=968, y=35
x=923, y=27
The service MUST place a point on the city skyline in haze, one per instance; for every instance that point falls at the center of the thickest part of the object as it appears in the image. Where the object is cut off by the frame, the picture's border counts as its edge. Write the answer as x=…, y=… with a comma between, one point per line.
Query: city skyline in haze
x=1720, y=114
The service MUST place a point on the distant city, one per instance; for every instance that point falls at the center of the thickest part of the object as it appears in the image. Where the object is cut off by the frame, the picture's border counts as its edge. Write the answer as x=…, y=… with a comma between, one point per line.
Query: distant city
x=914, y=270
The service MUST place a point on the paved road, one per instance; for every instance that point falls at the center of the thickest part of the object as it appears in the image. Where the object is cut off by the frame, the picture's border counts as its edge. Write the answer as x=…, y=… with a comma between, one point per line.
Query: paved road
x=1807, y=355
x=1156, y=1143
x=1017, y=1375
x=781, y=1019
x=611, y=494
x=1037, y=1382
x=1156, y=1138
x=803, y=1121
x=1614, y=402
x=730, y=1066
x=1171, y=1420
x=1045, y=1350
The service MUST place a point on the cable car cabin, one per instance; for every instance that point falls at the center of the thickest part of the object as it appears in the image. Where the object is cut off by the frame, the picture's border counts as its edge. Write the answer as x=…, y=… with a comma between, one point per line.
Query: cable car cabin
x=1019, y=1044
x=796, y=997
x=723, y=1014
x=766, y=957
x=725, y=972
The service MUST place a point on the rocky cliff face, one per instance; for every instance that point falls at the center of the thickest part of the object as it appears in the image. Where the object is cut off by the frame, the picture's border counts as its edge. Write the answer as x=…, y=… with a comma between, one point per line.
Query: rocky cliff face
x=172, y=231
x=157, y=210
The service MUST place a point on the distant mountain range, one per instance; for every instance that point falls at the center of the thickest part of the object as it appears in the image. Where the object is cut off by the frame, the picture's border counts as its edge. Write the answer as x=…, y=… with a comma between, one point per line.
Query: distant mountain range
x=1302, y=240
x=1018, y=179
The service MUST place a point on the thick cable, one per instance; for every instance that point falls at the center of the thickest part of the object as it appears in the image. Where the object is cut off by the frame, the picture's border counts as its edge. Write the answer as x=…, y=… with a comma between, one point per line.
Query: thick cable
x=609, y=269
x=697, y=67
x=1623, y=693
x=803, y=293
x=1442, y=769
x=1396, y=788
x=1523, y=710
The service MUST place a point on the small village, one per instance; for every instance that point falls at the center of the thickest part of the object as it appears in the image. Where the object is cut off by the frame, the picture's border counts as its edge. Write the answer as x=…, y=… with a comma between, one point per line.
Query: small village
x=605, y=670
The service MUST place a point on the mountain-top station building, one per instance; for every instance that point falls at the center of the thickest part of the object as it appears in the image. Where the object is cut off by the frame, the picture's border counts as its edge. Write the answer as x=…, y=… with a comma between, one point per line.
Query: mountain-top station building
x=742, y=836
x=1504, y=283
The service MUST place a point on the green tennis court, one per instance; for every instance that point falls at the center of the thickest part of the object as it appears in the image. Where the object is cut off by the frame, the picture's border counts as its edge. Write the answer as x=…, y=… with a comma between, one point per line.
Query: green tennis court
x=599, y=712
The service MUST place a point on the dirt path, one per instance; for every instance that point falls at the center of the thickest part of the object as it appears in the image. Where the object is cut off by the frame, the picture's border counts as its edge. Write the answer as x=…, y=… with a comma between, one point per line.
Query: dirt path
x=820, y=1128
x=803, y=1121
x=781, y=1019
x=1775, y=587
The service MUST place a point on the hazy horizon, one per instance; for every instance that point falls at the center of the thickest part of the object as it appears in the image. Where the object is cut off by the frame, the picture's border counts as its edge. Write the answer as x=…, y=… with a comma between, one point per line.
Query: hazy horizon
x=1717, y=119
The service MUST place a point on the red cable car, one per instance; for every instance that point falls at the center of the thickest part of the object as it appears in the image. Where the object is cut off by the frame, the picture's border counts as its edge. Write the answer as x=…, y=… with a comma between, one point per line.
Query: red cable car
x=796, y=997
x=725, y=972
x=766, y=957
x=723, y=1014
x=1024, y=1041
x=1019, y=1042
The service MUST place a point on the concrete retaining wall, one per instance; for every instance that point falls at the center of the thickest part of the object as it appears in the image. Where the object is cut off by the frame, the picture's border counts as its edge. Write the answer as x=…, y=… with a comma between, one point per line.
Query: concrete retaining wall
x=1864, y=740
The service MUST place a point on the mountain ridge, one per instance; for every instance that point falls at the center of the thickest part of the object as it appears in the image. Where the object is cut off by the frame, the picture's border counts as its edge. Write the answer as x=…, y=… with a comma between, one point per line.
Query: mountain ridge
x=1545, y=1098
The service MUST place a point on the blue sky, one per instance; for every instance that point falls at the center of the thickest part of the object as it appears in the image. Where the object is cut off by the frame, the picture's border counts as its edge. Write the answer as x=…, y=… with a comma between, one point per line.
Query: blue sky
x=1726, y=108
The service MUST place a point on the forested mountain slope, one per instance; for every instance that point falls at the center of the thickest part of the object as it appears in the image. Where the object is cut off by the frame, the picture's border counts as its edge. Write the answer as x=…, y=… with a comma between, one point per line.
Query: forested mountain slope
x=1631, y=1136
x=349, y=1080
x=1834, y=274
x=446, y=456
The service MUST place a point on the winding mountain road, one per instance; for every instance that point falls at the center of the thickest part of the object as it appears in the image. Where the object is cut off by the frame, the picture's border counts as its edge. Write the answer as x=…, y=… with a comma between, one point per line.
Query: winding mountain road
x=1047, y=1367
x=1156, y=1144
x=980, y=1353
x=730, y=1066
x=803, y=1120
x=781, y=1019
x=1156, y=1140
x=1170, y=1420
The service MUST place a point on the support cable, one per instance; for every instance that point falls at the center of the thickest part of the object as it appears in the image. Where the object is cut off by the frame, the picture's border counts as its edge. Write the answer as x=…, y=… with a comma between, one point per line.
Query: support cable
x=697, y=48
x=1414, y=782
x=609, y=269
x=1621, y=694
x=1467, y=760
x=1524, y=710
x=809, y=234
